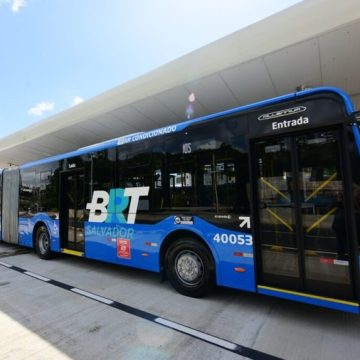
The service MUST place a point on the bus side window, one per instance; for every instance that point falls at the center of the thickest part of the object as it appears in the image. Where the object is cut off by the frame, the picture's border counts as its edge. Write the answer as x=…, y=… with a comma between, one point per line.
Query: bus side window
x=180, y=171
x=207, y=168
x=141, y=167
x=28, y=193
x=47, y=179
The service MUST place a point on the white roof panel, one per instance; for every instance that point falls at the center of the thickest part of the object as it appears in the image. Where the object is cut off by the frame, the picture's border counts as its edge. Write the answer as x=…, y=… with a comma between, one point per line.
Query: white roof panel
x=296, y=64
x=340, y=57
x=250, y=82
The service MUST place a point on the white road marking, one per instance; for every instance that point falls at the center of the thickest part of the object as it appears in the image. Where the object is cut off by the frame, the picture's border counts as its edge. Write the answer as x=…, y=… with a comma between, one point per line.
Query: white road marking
x=5, y=264
x=200, y=335
x=36, y=276
x=92, y=296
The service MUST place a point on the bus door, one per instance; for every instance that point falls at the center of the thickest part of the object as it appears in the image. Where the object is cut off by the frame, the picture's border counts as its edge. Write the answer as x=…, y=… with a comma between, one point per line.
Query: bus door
x=300, y=214
x=72, y=210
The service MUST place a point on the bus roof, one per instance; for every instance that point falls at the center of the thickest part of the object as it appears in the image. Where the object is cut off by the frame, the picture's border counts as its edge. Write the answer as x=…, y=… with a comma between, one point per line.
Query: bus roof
x=181, y=126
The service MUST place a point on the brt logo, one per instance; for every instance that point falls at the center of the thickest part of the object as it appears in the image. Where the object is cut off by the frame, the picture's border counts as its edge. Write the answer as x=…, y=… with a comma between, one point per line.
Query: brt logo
x=109, y=207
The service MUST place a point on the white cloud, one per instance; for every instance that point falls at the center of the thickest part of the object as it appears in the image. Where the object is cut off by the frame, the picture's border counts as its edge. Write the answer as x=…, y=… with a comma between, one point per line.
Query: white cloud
x=76, y=101
x=40, y=108
x=15, y=5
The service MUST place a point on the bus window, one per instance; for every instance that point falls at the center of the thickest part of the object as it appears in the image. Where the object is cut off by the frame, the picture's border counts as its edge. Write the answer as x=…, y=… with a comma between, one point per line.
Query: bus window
x=208, y=170
x=102, y=170
x=28, y=193
x=232, y=181
x=140, y=167
x=47, y=179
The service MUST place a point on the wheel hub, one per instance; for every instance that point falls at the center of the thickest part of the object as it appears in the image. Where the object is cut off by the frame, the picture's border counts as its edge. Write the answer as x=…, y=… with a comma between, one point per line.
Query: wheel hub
x=43, y=243
x=189, y=267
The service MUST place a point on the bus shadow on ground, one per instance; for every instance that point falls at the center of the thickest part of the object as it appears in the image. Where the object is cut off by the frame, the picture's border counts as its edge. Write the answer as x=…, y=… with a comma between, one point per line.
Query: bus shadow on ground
x=7, y=250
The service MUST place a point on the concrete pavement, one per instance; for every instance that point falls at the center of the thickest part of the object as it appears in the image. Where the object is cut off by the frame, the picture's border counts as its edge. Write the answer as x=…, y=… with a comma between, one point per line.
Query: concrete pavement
x=40, y=321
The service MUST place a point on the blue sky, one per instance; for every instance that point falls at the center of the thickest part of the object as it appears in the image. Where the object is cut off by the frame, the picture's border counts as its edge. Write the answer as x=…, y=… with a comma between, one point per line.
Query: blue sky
x=57, y=53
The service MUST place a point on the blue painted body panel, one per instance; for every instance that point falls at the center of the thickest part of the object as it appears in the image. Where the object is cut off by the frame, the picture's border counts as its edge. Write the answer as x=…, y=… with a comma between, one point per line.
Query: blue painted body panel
x=26, y=228
x=100, y=244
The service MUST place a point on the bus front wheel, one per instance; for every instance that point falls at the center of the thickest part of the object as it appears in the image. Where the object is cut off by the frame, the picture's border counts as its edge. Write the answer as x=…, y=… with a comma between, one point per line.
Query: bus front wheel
x=189, y=267
x=42, y=243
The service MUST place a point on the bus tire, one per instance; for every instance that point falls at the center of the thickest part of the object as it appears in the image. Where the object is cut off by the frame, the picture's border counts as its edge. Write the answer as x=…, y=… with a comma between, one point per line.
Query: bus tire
x=189, y=267
x=42, y=243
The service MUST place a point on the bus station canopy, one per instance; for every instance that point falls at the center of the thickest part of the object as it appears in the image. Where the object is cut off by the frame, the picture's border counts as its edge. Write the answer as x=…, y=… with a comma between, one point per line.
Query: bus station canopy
x=313, y=43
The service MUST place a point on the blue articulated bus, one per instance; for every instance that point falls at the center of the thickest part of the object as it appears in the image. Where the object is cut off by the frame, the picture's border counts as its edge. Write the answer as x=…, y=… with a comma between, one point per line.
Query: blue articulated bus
x=262, y=198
